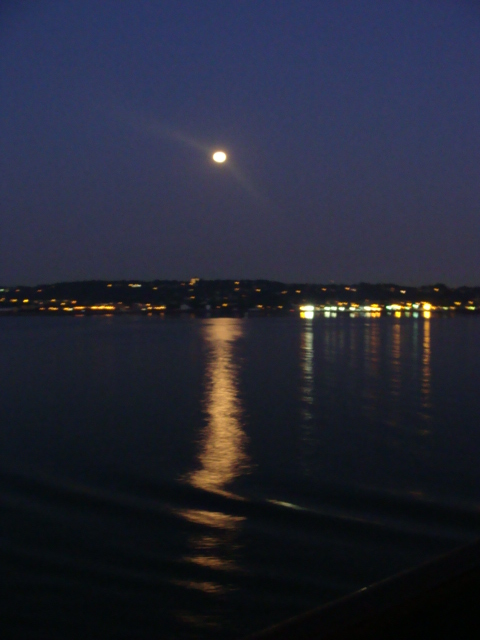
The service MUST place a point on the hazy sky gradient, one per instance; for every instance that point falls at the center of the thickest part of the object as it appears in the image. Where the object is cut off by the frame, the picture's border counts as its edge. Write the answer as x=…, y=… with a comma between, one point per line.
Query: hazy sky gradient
x=352, y=130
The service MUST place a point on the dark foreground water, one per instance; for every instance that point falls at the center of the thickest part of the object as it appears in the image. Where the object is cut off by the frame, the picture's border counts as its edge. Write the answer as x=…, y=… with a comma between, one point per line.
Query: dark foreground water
x=205, y=478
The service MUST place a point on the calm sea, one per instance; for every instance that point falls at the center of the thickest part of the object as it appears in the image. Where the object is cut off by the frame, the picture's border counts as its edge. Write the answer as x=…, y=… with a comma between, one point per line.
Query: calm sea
x=194, y=478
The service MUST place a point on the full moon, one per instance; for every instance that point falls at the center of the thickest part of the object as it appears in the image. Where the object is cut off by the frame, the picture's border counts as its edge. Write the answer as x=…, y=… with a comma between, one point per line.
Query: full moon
x=219, y=156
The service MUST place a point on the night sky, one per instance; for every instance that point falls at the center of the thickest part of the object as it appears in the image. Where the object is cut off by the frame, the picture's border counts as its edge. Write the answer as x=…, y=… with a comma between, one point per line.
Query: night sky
x=351, y=128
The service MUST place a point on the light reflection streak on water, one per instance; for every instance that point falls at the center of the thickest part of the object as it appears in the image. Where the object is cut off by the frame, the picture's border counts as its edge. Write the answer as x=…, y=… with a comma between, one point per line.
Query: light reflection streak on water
x=393, y=415
x=306, y=350
x=222, y=457
x=332, y=348
x=426, y=371
x=307, y=393
x=395, y=359
x=372, y=347
x=371, y=358
x=415, y=342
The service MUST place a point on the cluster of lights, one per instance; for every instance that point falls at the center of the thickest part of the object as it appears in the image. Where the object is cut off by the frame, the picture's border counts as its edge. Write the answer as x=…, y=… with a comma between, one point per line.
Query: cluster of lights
x=425, y=306
x=307, y=311
x=398, y=308
x=375, y=310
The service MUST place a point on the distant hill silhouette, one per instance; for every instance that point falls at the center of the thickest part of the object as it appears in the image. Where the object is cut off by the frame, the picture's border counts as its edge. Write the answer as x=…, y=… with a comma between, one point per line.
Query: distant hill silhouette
x=223, y=295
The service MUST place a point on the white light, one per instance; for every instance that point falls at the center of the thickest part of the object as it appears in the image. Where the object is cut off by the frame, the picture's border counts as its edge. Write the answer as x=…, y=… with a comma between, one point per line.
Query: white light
x=307, y=315
x=219, y=156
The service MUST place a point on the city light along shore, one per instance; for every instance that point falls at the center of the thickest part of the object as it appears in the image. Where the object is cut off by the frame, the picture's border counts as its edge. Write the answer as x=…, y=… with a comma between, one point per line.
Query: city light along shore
x=198, y=297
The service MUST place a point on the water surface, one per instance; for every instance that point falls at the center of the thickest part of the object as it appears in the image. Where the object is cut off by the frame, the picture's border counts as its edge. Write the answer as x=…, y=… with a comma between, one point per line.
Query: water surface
x=196, y=478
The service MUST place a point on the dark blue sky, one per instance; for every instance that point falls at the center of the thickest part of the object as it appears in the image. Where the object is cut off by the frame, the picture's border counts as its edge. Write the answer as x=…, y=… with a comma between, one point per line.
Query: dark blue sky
x=352, y=130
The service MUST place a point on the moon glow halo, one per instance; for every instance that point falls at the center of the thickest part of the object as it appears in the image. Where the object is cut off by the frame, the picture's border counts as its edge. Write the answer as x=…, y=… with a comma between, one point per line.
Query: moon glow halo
x=219, y=156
